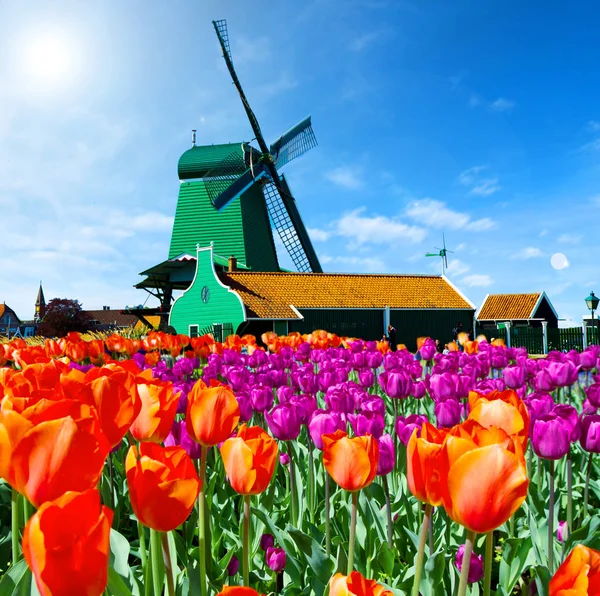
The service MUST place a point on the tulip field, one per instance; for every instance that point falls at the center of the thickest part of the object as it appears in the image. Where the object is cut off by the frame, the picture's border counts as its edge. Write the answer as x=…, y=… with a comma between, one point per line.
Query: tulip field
x=297, y=465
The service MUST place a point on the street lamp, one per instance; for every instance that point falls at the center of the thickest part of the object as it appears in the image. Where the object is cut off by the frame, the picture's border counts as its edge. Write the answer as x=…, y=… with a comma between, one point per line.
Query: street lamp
x=592, y=303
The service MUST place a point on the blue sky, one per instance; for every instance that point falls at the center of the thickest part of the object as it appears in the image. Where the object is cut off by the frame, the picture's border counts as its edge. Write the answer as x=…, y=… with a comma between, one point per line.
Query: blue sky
x=477, y=119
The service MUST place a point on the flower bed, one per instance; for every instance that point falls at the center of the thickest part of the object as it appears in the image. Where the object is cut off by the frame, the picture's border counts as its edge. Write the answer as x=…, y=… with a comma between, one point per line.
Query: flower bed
x=313, y=465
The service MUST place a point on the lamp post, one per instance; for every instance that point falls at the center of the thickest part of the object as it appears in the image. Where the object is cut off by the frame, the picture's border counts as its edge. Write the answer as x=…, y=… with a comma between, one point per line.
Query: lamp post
x=592, y=303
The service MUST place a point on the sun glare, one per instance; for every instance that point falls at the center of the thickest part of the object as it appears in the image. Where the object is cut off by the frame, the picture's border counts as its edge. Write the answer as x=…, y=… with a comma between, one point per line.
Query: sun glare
x=50, y=59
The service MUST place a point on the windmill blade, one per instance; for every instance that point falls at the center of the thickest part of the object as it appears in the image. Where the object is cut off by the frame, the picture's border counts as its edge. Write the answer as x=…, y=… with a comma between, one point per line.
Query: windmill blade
x=432, y=254
x=286, y=219
x=295, y=142
x=223, y=36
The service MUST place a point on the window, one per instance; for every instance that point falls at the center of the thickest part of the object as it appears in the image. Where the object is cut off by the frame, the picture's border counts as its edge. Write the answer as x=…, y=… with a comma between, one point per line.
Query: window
x=193, y=330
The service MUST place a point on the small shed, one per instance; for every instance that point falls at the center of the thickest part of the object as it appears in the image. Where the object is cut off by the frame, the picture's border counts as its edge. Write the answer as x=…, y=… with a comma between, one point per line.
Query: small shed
x=521, y=310
x=353, y=305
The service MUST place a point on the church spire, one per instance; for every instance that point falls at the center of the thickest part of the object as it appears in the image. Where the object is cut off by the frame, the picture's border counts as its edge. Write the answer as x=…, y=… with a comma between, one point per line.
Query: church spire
x=40, y=305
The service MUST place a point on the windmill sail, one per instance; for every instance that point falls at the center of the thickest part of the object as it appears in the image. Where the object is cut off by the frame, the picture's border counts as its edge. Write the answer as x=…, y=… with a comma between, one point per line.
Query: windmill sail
x=293, y=143
x=286, y=219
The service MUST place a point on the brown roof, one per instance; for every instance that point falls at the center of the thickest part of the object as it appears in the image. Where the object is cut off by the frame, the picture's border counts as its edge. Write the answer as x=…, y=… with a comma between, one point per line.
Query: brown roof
x=508, y=307
x=5, y=308
x=154, y=320
x=275, y=295
x=110, y=317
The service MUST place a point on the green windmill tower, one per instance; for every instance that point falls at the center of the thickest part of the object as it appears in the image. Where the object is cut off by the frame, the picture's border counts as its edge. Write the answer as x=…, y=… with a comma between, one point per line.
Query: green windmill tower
x=233, y=197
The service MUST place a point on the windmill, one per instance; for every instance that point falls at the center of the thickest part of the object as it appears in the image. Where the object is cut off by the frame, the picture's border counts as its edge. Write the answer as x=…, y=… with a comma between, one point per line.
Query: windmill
x=240, y=170
x=443, y=252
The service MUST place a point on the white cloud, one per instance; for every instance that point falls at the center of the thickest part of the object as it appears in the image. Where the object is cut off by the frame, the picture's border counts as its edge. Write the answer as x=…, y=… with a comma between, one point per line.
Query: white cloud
x=360, y=43
x=456, y=267
x=285, y=82
x=345, y=177
x=151, y=221
x=502, y=104
x=479, y=185
x=474, y=100
x=477, y=280
x=529, y=252
x=543, y=233
x=594, y=125
x=377, y=229
x=319, y=235
x=436, y=215
x=570, y=238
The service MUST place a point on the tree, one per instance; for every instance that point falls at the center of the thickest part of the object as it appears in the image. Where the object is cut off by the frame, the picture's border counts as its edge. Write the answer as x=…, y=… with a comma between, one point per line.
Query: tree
x=63, y=315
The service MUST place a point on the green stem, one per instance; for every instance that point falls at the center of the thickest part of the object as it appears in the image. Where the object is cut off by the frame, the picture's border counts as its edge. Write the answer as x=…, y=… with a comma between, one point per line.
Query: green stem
x=155, y=555
x=431, y=541
x=142, y=539
x=352, y=533
x=489, y=554
x=327, y=513
x=26, y=510
x=551, y=516
x=201, y=523
x=111, y=481
x=569, y=494
x=246, y=542
x=388, y=507
x=421, y=551
x=164, y=538
x=466, y=563
x=586, y=490
x=293, y=486
x=14, y=518
x=311, y=483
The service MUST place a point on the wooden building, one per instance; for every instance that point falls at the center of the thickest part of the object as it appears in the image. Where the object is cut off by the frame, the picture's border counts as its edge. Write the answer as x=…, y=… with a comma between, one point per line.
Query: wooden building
x=521, y=310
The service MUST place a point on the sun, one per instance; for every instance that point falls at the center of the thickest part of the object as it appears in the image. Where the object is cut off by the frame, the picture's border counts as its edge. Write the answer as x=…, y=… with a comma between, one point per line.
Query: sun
x=50, y=58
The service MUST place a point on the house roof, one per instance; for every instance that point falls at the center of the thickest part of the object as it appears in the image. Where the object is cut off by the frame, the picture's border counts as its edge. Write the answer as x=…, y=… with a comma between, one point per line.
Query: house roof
x=4, y=308
x=509, y=307
x=154, y=320
x=279, y=295
x=111, y=317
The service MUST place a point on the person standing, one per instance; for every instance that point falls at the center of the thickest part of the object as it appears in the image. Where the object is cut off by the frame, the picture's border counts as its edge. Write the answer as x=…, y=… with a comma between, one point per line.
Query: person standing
x=392, y=337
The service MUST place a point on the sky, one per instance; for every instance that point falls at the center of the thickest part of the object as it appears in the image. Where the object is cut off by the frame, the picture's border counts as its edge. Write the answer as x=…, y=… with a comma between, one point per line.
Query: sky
x=477, y=120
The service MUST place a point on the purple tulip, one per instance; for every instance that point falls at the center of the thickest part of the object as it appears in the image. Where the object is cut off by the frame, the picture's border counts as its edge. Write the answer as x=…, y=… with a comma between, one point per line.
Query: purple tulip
x=539, y=404
x=284, y=394
x=276, y=559
x=284, y=459
x=374, y=359
x=418, y=390
x=405, y=426
x=305, y=406
x=179, y=436
x=590, y=433
x=564, y=373
x=514, y=376
x=428, y=349
x=570, y=416
x=233, y=566
x=284, y=422
x=372, y=404
x=593, y=394
x=499, y=357
x=324, y=423
x=325, y=379
x=308, y=382
x=588, y=408
x=387, y=455
x=245, y=405
x=475, y=568
x=448, y=413
x=261, y=397
x=396, y=383
x=267, y=541
x=551, y=436
x=339, y=399
x=367, y=424
x=562, y=531
x=366, y=378
x=588, y=360
x=443, y=386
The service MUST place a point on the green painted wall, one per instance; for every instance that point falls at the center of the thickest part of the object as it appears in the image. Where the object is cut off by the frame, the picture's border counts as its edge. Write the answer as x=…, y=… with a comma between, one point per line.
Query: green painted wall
x=223, y=306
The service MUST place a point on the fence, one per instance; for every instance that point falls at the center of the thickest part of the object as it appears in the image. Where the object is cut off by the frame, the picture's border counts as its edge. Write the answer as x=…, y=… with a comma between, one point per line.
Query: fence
x=532, y=338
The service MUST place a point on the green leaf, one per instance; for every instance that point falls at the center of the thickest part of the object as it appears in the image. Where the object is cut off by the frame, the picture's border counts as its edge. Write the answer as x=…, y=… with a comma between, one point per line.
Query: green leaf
x=517, y=555
x=119, y=553
x=313, y=553
x=116, y=585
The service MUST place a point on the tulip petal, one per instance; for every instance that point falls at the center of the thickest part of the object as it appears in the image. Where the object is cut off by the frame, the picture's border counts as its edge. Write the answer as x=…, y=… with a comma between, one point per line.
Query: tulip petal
x=486, y=486
x=239, y=465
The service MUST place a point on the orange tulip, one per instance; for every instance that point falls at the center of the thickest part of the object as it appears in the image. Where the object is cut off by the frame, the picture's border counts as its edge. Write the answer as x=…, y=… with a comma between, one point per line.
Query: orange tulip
x=50, y=447
x=502, y=409
x=352, y=463
x=249, y=460
x=355, y=585
x=66, y=543
x=238, y=591
x=159, y=406
x=212, y=414
x=579, y=575
x=116, y=400
x=471, y=347
x=486, y=477
x=163, y=485
x=425, y=464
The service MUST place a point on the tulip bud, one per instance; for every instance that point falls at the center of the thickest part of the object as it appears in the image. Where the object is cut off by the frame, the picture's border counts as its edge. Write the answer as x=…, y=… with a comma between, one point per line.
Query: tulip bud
x=276, y=559
x=233, y=566
x=476, y=567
